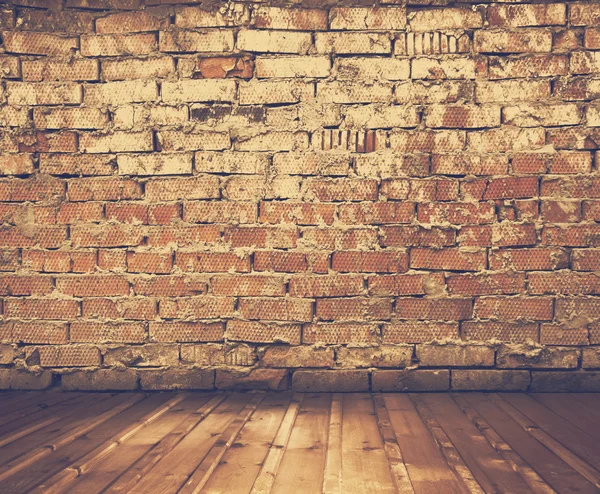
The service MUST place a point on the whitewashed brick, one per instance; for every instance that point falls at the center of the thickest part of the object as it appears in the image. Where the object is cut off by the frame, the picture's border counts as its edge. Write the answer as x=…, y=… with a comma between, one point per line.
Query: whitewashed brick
x=292, y=67
x=274, y=41
x=188, y=91
x=155, y=164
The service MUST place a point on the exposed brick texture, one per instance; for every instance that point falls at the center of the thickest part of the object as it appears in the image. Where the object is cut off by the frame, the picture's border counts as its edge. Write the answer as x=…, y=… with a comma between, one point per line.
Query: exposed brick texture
x=329, y=196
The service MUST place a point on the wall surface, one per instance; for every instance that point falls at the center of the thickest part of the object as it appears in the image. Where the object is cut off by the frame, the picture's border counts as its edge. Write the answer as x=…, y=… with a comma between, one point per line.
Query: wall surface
x=241, y=195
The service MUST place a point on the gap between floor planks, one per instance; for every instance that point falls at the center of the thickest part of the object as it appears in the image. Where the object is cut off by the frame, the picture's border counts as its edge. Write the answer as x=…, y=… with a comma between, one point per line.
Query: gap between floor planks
x=304, y=443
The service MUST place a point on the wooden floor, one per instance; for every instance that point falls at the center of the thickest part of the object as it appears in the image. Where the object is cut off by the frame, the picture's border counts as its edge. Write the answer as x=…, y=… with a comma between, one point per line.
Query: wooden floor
x=283, y=443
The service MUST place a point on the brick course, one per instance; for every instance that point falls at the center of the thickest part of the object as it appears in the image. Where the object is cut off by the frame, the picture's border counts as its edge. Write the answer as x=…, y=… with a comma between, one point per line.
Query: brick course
x=326, y=197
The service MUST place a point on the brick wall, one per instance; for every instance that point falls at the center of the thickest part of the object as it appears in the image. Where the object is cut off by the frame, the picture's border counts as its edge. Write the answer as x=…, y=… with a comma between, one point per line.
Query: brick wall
x=246, y=195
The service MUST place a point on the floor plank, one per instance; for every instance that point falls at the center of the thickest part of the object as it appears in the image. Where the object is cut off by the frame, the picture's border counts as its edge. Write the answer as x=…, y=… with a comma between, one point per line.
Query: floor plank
x=303, y=462
x=426, y=465
x=112, y=467
x=364, y=463
x=200, y=476
x=52, y=413
x=570, y=410
x=558, y=474
x=80, y=410
x=270, y=468
x=282, y=443
x=559, y=449
x=41, y=405
x=144, y=465
x=155, y=405
x=517, y=463
x=332, y=477
x=492, y=472
x=78, y=442
x=589, y=401
x=172, y=471
x=583, y=445
x=242, y=463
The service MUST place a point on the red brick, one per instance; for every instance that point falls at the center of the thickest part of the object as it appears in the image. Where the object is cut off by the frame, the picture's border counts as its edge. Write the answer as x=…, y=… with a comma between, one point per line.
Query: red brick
x=503, y=234
x=163, y=214
x=339, y=239
x=217, y=212
x=334, y=333
x=291, y=262
x=416, y=236
x=212, y=262
x=502, y=331
x=149, y=262
x=50, y=237
x=403, y=284
x=59, y=261
x=93, y=286
x=556, y=335
x=97, y=189
x=68, y=356
x=197, y=308
x=434, y=309
x=572, y=236
x=258, y=332
x=565, y=283
x=121, y=308
x=261, y=237
x=296, y=213
x=14, y=286
x=248, y=285
x=37, y=189
x=340, y=189
x=370, y=262
x=419, y=332
x=186, y=332
x=511, y=188
x=114, y=235
x=221, y=67
x=112, y=259
x=37, y=332
x=95, y=332
x=169, y=286
x=541, y=259
x=561, y=211
x=326, y=286
x=376, y=213
x=123, y=212
x=514, y=308
x=584, y=186
x=34, y=308
x=196, y=235
x=486, y=284
x=354, y=309
x=457, y=213
x=451, y=259
x=277, y=309
x=585, y=260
